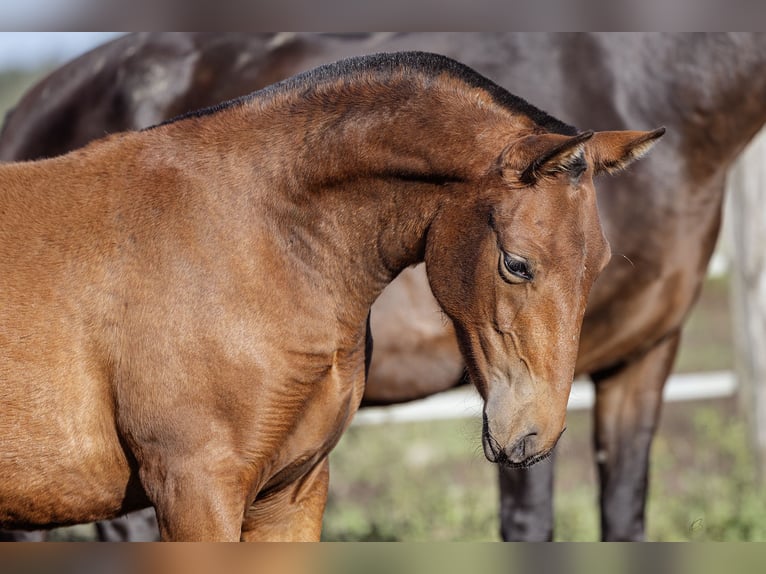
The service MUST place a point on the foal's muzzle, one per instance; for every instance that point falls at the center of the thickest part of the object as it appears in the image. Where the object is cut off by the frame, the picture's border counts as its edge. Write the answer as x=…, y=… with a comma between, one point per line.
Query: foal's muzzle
x=522, y=454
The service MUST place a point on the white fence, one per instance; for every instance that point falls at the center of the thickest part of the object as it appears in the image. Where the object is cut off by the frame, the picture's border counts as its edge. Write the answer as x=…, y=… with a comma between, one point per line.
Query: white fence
x=464, y=402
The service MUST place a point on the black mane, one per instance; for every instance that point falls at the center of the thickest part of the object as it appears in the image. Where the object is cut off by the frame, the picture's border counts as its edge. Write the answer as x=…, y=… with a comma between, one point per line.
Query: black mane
x=423, y=63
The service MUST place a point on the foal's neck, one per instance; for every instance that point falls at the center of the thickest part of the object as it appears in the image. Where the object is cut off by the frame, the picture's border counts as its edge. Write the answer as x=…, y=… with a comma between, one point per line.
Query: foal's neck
x=346, y=177
x=364, y=180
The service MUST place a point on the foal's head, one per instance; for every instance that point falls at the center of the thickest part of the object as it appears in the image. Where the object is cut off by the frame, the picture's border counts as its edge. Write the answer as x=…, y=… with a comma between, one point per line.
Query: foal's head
x=513, y=271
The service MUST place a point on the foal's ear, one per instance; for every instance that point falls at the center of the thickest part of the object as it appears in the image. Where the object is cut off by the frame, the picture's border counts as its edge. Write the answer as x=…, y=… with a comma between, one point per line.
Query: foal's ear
x=537, y=156
x=613, y=151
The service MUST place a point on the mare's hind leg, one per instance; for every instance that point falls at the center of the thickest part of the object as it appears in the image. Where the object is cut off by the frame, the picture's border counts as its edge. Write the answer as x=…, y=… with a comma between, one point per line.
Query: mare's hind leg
x=23, y=535
x=628, y=401
x=138, y=526
x=526, y=502
x=292, y=514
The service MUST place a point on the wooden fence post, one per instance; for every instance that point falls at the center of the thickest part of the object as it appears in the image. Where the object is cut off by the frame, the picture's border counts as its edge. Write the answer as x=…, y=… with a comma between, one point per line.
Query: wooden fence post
x=747, y=211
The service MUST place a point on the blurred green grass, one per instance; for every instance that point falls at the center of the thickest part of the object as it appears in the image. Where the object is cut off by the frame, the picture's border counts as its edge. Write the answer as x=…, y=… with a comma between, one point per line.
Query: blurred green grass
x=429, y=481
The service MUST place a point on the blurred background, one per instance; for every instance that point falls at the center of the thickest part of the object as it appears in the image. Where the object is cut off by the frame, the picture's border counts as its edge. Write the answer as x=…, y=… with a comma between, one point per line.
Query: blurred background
x=427, y=479
x=25, y=57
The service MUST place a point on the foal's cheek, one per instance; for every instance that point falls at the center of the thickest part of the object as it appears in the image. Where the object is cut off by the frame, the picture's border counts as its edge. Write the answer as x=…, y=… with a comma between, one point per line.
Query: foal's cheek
x=506, y=314
x=452, y=274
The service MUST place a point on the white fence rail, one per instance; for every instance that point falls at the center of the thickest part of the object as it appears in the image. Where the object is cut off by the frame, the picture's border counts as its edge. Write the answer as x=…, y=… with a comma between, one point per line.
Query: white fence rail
x=464, y=402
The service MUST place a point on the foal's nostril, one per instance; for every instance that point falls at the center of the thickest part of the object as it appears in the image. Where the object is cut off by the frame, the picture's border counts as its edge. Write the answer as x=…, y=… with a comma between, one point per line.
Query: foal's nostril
x=524, y=448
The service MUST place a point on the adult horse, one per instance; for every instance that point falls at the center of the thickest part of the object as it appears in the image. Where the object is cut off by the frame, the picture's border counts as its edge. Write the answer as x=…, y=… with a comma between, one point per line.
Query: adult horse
x=662, y=221
x=185, y=309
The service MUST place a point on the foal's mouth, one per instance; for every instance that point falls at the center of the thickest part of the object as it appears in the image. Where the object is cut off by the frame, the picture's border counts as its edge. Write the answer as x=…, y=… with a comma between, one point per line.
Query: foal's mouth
x=503, y=460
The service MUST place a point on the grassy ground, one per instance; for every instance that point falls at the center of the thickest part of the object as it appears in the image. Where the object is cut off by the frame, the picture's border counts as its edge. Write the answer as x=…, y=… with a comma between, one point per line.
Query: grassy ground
x=429, y=481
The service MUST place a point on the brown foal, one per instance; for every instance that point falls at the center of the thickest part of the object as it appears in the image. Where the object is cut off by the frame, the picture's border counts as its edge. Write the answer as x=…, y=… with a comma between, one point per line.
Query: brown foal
x=184, y=309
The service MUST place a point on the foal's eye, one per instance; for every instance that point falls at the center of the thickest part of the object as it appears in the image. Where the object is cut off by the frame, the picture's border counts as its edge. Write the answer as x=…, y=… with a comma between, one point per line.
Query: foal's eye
x=516, y=269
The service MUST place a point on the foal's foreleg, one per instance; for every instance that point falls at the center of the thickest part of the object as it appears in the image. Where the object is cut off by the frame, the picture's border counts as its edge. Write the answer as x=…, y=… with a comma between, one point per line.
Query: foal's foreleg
x=627, y=412
x=195, y=501
x=292, y=514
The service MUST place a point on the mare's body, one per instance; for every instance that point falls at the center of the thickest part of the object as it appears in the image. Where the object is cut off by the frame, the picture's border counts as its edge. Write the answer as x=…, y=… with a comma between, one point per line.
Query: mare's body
x=185, y=309
x=662, y=220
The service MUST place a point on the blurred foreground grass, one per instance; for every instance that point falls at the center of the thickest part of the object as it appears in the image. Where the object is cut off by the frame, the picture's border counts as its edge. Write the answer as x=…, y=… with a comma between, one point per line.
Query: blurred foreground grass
x=429, y=481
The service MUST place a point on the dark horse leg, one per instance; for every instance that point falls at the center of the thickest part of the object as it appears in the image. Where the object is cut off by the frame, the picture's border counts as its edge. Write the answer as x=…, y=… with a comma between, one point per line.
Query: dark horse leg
x=526, y=502
x=23, y=536
x=628, y=401
x=139, y=526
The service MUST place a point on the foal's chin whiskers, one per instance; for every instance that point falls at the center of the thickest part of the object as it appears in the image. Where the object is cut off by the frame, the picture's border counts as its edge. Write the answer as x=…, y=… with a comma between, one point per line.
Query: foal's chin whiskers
x=627, y=259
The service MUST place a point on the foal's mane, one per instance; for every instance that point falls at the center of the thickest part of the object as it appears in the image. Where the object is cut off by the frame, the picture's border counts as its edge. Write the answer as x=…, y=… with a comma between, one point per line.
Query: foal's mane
x=424, y=64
